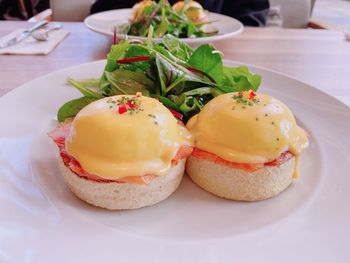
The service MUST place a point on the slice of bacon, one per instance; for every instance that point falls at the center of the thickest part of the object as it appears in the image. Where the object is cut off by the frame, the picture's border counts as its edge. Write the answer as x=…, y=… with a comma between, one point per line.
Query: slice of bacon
x=59, y=136
x=249, y=167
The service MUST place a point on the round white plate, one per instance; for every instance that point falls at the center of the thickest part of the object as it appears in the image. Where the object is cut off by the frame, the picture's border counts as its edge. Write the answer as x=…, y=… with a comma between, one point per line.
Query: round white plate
x=105, y=22
x=42, y=221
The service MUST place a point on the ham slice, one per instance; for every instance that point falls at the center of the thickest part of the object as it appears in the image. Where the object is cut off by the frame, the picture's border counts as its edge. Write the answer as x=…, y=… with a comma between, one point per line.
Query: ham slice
x=249, y=167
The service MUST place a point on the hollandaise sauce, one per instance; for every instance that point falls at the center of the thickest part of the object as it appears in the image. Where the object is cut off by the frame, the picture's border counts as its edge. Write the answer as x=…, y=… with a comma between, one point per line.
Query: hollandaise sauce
x=125, y=136
x=247, y=127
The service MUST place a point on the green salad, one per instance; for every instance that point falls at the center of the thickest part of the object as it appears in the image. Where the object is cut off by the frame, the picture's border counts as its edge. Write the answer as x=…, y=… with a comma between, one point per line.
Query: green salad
x=182, y=78
x=183, y=21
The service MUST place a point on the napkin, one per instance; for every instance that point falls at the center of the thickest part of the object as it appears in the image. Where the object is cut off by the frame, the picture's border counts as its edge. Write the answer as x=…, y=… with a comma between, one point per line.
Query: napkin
x=31, y=46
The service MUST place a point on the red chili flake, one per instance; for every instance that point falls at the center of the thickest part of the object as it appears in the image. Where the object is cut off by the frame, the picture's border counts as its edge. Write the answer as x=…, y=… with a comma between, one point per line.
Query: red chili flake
x=252, y=95
x=176, y=114
x=133, y=59
x=122, y=109
x=131, y=104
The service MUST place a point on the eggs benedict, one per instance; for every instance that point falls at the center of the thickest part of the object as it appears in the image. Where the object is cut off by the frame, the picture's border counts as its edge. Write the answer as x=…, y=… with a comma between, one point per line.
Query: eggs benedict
x=193, y=10
x=247, y=146
x=123, y=152
x=139, y=8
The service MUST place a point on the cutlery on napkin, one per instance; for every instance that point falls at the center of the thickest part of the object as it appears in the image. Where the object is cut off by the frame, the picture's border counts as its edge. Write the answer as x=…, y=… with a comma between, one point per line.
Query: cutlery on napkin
x=20, y=42
x=20, y=37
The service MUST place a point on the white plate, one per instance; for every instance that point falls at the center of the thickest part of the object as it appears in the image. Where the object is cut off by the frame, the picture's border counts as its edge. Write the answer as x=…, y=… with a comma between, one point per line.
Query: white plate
x=104, y=23
x=42, y=221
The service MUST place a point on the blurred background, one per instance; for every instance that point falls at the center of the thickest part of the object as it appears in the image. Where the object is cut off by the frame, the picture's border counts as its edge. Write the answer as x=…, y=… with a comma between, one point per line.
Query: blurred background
x=330, y=14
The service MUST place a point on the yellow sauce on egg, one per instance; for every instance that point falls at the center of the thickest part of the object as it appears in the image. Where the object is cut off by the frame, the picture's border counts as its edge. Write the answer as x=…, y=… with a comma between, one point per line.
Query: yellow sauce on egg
x=114, y=145
x=246, y=128
x=193, y=10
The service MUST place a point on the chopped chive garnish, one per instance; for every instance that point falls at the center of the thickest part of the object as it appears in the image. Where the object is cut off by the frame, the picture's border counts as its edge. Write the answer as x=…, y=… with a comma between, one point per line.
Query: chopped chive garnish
x=127, y=104
x=240, y=99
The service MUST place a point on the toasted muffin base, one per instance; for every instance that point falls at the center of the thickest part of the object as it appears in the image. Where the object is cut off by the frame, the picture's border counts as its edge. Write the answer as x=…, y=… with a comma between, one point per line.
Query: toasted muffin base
x=237, y=184
x=118, y=196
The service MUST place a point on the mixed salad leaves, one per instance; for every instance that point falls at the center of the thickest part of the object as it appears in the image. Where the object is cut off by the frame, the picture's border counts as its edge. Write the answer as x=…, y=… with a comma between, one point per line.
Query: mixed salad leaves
x=164, y=20
x=182, y=78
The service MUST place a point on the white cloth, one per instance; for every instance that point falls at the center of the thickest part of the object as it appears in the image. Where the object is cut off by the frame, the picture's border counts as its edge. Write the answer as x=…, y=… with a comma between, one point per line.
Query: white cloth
x=30, y=46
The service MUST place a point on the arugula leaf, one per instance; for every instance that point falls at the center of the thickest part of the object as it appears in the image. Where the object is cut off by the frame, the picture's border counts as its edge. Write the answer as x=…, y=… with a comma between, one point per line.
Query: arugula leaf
x=86, y=86
x=90, y=83
x=128, y=82
x=163, y=26
x=165, y=52
x=117, y=52
x=239, y=79
x=171, y=75
x=148, y=10
x=199, y=91
x=71, y=108
x=168, y=74
x=191, y=28
x=207, y=59
x=176, y=47
x=149, y=41
x=136, y=51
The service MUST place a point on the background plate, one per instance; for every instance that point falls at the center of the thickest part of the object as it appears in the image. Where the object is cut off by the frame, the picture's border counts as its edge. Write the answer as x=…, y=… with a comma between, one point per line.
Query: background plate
x=42, y=221
x=104, y=23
